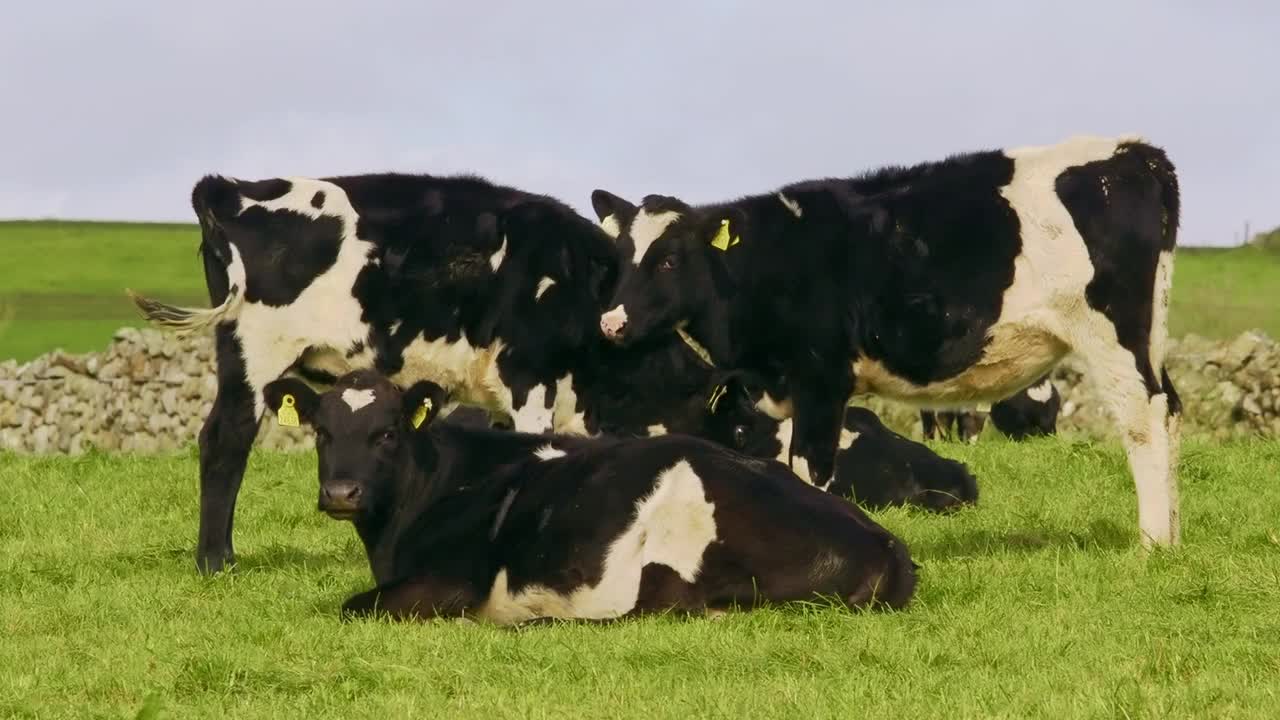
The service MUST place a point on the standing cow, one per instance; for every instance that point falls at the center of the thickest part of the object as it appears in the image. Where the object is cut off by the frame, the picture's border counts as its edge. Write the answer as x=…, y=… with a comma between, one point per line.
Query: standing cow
x=489, y=291
x=1029, y=413
x=943, y=284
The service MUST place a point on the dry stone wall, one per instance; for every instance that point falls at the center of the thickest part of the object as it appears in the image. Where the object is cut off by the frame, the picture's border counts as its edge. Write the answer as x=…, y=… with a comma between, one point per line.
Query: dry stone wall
x=150, y=391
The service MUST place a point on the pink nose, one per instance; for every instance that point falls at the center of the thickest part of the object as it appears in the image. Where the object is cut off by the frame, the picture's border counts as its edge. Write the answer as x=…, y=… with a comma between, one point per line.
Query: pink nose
x=613, y=322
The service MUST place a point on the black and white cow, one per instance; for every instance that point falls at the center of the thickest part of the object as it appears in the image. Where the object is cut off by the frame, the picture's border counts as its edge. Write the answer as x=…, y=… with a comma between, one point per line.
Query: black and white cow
x=511, y=527
x=942, y=284
x=491, y=292
x=1028, y=413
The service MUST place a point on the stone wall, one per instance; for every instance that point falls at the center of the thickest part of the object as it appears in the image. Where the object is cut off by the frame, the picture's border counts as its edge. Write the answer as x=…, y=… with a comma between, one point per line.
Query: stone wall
x=151, y=391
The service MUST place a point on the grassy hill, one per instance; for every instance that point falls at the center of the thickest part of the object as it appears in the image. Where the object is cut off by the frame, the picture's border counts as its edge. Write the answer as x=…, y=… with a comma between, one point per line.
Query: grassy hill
x=63, y=283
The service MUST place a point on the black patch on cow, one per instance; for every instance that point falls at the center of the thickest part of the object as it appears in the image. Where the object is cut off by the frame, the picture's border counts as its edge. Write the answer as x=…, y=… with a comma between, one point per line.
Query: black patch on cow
x=284, y=252
x=264, y=190
x=317, y=200
x=1122, y=207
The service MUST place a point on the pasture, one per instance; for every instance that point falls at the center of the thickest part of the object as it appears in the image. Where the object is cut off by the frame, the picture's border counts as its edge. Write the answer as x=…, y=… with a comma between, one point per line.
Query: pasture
x=68, y=291
x=1037, y=603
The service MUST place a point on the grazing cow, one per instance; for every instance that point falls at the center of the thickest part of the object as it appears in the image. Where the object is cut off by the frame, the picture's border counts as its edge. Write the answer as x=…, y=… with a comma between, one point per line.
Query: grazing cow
x=512, y=527
x=491, y=292
x=945, y=284
x=1030, y=412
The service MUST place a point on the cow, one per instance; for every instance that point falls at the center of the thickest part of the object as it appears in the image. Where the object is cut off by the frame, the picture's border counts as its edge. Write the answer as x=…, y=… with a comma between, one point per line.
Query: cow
x=1029, y=413
x=491, y=292
x=512, y=527
x=942, y=284
x=667, y=387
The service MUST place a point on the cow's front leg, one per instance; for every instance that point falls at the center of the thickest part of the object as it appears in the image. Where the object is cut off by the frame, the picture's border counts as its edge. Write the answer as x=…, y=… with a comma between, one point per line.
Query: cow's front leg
x=819, y=407
x=416, y=598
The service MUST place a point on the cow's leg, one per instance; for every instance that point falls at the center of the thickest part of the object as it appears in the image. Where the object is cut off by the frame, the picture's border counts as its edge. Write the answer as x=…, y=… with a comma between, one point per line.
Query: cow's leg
x=928, y=424
x=414, y=598
x=225, y=442
x=1146, y=414
x=819, y=408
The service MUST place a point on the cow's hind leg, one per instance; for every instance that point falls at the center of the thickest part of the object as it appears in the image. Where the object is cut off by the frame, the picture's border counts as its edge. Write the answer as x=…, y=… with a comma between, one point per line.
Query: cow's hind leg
x=1145, y=410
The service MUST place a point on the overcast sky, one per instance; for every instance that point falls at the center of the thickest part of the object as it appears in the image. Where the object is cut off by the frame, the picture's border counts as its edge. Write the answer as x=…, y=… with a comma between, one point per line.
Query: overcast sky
x=115, y=109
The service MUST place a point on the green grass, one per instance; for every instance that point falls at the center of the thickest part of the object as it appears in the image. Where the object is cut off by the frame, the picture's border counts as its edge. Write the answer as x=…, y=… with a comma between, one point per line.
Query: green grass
x=1037, y=603
x=63, y=282
x=68, y=291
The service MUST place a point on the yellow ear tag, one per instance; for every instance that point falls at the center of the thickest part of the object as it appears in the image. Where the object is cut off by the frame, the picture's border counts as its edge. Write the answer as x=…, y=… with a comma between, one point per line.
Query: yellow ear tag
x=420, y=415
x=714, y=400
x=722, y=240
x=287, y=415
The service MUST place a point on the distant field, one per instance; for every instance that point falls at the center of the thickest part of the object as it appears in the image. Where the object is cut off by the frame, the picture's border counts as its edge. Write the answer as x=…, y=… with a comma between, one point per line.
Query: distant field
x=62, y=283
x=1035, y=604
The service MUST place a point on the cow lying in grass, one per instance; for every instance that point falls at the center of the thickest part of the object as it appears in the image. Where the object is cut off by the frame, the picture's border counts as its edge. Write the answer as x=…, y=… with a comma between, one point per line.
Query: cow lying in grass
x=1029, y=413
x=511, y=527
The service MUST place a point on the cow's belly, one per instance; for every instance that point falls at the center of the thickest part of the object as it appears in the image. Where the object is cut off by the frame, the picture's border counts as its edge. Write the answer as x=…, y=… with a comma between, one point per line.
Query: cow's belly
x=1016, y=356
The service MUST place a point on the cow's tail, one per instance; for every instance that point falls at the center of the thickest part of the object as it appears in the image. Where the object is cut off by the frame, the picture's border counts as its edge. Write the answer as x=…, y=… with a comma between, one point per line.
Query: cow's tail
x=214, y=199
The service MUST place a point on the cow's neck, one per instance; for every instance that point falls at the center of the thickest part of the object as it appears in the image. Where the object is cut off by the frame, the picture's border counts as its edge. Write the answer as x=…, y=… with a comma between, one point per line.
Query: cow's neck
x=708, y=334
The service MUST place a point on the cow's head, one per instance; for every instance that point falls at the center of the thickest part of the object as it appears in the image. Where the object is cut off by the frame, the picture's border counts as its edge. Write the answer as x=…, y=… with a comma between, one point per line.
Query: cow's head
x=734, y=418
x=672, y=265
x=364, y=430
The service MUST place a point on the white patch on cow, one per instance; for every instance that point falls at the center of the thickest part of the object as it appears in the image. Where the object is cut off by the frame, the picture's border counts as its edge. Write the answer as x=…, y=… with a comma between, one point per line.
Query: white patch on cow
x=792, y=205
x=610, y=226
x=325, y=315
x=848, y=437
x=543, y=283
x=672, y=526
x=356, y=399
x=613, y=321
x=783, y=435
x=467, y=372
x=1043, y=312
x=656, y=430
x=533, y=415
x=395, y=326
x=646, y=228
x=775, y=409
x=800, y=466
x=1160, y=310
x=565, y=416
x=546, y=452
x=1042, y=392
x=495, y=260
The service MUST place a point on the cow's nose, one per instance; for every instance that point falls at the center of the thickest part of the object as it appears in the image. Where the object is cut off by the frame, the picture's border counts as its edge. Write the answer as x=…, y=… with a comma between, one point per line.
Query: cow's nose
x=613, y=323
x=340, y=495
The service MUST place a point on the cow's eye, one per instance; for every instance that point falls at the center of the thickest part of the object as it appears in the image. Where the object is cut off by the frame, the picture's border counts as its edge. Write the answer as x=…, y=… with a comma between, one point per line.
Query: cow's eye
x=385, y=436
x=667, y=263
x=740, y=436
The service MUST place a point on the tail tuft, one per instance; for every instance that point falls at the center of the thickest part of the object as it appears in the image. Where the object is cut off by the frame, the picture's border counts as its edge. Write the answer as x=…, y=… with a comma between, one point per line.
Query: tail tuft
x=187, y=321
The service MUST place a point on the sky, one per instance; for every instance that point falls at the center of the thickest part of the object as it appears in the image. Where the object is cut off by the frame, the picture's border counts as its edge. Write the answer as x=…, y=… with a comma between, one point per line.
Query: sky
x=114, y=110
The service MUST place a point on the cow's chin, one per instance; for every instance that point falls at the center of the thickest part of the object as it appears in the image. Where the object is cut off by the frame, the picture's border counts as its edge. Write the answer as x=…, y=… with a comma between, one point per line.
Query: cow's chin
x=342, y=513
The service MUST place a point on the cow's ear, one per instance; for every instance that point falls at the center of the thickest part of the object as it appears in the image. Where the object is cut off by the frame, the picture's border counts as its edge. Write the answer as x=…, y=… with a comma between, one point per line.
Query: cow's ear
x=612, y=211
x=723, y=230
x=728, y=387
x=422, y=403
x=293, y=401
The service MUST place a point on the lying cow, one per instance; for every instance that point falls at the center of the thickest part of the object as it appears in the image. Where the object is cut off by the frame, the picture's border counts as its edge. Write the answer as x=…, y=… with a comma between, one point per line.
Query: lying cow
x=1029, y=413
x=511, y=527
x=945, y=284
x=489, y=291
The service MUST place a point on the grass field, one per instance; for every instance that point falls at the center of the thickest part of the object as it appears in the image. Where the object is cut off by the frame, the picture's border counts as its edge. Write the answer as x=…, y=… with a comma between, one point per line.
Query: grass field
x=66, y=288
x=1037, y=603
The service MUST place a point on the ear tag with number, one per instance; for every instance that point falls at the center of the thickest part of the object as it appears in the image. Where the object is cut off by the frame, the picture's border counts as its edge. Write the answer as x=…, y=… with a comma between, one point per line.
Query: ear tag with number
x=287, y=415
x=722, y=241
x=420, y=415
